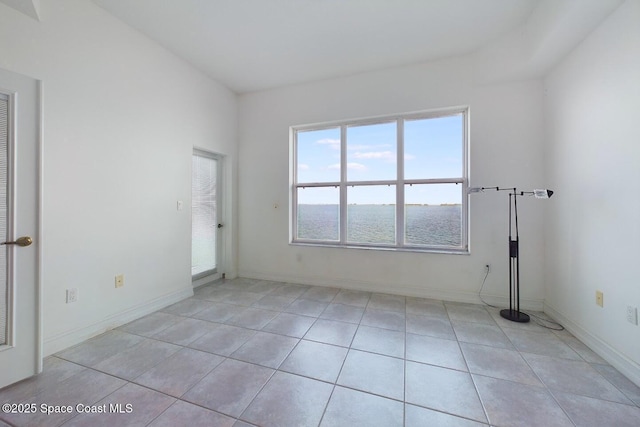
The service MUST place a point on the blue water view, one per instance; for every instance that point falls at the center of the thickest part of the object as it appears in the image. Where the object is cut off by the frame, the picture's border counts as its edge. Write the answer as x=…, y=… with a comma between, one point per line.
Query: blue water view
x=429, y=225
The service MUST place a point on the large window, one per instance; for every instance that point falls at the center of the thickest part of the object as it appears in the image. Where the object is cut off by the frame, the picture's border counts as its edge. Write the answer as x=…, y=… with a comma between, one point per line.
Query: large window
x=391, y=182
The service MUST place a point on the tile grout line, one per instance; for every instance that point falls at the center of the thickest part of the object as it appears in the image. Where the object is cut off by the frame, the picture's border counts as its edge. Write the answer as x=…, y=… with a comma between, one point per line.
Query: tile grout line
x=475, y=386
x=349, y=349
x=335, y=384
x=404, y=376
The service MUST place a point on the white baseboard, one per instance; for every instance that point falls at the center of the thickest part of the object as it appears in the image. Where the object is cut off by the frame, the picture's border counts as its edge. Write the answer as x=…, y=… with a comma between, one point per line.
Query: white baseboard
x=67, y=339
x=622, y=363
x=206, y=280
x=398, y=289
x=212, y=278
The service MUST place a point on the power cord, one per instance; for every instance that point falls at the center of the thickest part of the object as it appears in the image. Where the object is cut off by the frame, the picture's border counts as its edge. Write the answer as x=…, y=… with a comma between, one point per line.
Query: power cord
x=487, y=269
x=538, y=320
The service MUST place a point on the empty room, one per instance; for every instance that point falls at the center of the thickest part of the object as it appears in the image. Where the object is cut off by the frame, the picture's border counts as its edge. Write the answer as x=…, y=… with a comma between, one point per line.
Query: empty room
x=319, y=213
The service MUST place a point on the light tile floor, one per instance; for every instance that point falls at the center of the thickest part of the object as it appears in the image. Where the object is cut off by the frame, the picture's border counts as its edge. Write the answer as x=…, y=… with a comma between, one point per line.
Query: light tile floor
x=248, y=352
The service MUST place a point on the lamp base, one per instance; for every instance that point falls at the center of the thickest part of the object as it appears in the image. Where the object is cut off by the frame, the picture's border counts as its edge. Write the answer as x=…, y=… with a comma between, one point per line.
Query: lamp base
x=514, y=316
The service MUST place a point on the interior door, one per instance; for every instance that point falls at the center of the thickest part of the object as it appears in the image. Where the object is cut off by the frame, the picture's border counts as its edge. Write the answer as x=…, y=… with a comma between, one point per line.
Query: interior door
x=20, y=350
x=205, y=214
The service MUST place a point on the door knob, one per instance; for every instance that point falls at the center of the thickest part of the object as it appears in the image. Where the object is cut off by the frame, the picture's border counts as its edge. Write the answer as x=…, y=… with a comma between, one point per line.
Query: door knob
x=20, y=241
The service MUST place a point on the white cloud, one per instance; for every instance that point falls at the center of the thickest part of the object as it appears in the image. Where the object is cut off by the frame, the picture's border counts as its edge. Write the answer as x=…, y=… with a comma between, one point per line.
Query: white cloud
x=303, y=167
x=409, y=157
x=332, y=143
x=356, y=166
x=354, y=147
x=352, y=166
x=385, y=155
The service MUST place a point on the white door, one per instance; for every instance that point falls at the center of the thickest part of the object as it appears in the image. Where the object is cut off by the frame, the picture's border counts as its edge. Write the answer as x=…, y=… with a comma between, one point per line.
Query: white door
x=205, y=214
x=19, y=203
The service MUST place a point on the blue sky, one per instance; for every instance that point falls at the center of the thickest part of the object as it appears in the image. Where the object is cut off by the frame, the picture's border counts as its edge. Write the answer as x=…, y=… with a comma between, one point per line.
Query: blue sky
x=433, y=149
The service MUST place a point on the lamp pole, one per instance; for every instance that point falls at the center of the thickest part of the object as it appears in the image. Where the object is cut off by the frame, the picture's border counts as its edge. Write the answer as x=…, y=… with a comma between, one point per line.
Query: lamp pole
x=513, y=313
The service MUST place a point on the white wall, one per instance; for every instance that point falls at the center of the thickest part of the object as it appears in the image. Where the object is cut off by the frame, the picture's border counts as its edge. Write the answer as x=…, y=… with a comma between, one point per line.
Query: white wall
x=121, y=116
x=593, y=161
x=506, y=150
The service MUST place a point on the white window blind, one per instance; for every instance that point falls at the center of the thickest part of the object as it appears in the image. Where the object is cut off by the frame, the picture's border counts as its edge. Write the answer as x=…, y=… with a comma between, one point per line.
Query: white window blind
x=4, y=139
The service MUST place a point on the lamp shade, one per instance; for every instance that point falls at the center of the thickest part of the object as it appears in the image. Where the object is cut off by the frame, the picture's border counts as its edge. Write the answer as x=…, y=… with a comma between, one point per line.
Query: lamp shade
x=543, y=194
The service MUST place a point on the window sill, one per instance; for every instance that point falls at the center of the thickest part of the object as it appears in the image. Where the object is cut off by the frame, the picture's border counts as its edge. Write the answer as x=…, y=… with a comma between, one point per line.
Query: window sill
x=448, y=251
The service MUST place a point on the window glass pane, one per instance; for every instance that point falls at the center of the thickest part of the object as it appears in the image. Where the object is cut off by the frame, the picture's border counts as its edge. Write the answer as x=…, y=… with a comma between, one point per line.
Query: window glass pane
x=433, y=214
x=204, y=219
x=372, y=152
x=318, y=213
x=433, y=147
x=371, y=214
x=318, y=154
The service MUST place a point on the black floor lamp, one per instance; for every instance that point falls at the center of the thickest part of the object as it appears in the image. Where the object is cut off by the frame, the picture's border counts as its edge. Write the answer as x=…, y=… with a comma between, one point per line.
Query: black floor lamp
x=513, y=313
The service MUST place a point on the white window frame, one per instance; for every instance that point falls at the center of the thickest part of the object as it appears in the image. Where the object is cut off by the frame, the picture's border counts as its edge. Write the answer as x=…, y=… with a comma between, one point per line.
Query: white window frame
x=399, y=182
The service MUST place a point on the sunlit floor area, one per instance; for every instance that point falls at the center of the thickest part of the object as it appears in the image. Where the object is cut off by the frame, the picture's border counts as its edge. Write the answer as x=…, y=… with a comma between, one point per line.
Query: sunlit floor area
x=248, y=352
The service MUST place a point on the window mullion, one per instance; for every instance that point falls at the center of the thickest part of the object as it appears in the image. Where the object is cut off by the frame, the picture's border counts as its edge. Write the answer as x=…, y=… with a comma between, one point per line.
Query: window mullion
x=465, y=183
x=343, y=185
x=294, y=188
x=400, y=185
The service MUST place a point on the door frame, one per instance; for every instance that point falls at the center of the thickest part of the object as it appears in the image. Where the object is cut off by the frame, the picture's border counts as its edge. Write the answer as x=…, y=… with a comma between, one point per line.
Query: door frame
x=208, y=276
x=39, y=225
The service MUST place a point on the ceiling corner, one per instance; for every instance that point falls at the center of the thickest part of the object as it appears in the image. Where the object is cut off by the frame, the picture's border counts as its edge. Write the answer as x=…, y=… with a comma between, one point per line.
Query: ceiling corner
x=31, y=8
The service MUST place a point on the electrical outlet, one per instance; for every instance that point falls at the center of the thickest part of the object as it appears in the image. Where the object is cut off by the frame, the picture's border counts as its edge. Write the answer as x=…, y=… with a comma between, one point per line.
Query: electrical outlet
x=72, y=295
x=119, y=280
x=632, y=315
x=600, y=298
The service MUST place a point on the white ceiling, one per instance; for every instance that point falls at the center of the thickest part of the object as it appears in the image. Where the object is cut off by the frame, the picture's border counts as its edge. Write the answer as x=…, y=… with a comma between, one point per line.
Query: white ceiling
x=28, y=7
x=251, y=45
